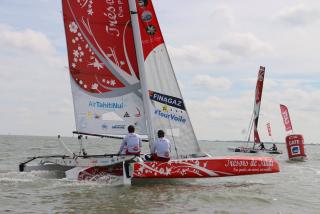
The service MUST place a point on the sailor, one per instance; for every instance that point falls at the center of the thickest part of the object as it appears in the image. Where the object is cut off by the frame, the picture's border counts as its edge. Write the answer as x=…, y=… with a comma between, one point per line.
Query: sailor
x=274, y=147
x=161, y=148
x=131, y=144
x=262, y=146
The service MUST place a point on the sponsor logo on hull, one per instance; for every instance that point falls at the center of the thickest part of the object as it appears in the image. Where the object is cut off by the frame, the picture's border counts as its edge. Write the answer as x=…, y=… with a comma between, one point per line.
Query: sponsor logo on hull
x=166, y=99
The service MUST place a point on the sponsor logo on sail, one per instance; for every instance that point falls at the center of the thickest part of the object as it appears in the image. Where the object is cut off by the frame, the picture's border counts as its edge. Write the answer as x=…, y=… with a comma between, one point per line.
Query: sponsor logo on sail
x=146, y=16
x=170, y=116
x=118, y=126
x=166, y=99
x=126, y=114
x=138, y=114
x=106, y=105
x=89, y=115
x=104, y=126
x=143, y=3
x=165, y=108
x=151, y=30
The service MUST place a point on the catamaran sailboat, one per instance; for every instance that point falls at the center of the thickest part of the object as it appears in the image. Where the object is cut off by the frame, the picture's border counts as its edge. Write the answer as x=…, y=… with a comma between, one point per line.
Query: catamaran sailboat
x=254, y=121
x=121, y=75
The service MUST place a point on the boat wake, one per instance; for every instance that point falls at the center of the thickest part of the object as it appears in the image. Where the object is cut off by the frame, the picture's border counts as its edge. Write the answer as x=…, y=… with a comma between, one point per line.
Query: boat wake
x=18, y=177
x=13, y=177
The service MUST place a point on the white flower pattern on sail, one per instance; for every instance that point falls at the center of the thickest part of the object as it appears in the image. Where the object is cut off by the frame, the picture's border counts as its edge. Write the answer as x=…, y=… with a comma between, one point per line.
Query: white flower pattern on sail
x=113, y=82
x=94, y=86
x=83, y=3
x=96, y=64
x=73, y=27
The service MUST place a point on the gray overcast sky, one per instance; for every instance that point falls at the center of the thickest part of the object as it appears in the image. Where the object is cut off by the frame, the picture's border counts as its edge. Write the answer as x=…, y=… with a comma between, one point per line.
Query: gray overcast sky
x=216, y=47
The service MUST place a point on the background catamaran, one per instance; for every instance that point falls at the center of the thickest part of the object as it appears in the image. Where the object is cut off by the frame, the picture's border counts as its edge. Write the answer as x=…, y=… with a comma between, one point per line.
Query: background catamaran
x=255, y=117
x=254, y=121
x=121, y=75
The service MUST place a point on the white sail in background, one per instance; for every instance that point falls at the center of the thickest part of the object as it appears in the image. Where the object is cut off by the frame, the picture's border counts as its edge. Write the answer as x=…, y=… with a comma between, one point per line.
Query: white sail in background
x=103, y=67
x=166, y=107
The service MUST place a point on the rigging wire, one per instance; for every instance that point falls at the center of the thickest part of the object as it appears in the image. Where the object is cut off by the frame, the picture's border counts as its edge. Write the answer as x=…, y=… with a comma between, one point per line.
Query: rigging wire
x=65, y=146
x=250, y=129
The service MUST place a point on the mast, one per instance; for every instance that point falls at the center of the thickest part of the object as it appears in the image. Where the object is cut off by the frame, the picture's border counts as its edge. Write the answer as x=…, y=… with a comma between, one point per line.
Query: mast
x=142, y=70
x=256, y=107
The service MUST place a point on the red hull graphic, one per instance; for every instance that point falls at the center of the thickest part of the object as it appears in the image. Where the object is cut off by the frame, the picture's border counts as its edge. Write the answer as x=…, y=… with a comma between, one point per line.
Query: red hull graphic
x=206, y=167
x=189, y=168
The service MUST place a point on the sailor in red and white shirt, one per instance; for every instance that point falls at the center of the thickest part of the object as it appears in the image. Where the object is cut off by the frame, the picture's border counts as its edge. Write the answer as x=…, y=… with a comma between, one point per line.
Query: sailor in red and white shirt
x=161, y=148
x=131, y=144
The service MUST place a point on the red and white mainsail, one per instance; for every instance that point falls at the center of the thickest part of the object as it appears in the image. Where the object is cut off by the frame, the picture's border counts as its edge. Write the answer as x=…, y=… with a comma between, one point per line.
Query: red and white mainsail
x=286, y=117
x=103, y=67
x=164, y=102
x=257, y=104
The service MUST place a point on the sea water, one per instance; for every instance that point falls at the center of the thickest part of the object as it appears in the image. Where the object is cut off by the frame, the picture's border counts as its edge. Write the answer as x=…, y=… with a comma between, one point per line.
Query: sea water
x=296, y=189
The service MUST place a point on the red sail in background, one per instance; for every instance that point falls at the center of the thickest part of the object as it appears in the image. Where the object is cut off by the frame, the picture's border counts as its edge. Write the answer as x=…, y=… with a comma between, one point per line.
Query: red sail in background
x=269, y=129
x=256, y=136
x=257, y=104
x=286, y=117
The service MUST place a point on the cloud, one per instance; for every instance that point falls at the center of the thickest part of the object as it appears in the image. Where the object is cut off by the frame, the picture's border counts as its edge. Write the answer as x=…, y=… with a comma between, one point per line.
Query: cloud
x=192, y=54
x=235, y=46
x=244, y=45
x=299, y=15
x=212, y=83
x=37, y=92
x=27, y=40
x=222, y=17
